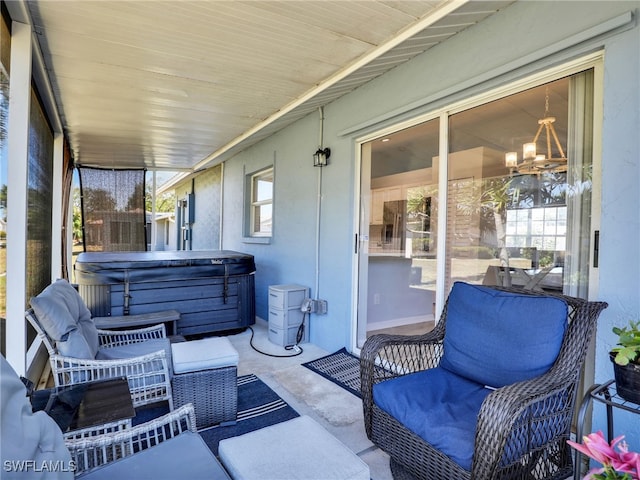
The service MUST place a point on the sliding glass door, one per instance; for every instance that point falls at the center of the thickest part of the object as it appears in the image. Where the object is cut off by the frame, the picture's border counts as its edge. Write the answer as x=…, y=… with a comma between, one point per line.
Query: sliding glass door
x=519, y=189
x=398, y=225
x=516, y=204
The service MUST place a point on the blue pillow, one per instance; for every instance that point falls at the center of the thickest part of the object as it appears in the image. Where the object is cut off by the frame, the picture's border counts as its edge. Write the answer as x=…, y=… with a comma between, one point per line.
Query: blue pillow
x=498, y=338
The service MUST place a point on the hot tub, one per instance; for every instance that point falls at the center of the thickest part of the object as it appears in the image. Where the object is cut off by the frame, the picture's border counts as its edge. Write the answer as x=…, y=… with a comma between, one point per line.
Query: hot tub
x=213, y=290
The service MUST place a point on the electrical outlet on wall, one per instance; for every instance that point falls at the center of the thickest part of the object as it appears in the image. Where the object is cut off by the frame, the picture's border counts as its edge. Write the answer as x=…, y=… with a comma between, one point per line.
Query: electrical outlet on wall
x=314, y=306
x=308, y=305
x=321, y=307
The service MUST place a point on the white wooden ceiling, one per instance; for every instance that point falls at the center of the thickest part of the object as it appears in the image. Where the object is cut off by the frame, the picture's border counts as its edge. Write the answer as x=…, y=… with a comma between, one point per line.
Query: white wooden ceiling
x=181, y=85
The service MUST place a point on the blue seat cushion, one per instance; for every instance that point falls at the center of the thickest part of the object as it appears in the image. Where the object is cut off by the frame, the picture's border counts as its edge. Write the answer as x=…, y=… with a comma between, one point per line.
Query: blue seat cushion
x=498, y=338
x=438, y=406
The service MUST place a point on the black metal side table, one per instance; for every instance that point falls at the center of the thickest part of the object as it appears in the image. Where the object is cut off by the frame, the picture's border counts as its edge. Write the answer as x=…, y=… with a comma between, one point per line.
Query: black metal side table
x=604, y=393
x=83, y=406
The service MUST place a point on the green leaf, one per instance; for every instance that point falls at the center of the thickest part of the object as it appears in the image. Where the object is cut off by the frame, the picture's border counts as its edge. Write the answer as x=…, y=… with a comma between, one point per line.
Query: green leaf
x=622, y=361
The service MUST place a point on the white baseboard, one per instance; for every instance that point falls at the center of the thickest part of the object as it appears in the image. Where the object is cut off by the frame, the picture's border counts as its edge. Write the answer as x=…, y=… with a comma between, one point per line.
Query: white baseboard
x=399, y=322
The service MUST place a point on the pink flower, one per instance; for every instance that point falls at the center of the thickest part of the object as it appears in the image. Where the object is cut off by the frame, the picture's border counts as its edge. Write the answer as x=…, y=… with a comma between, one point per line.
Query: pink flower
x=621, y=464
x=627, y=461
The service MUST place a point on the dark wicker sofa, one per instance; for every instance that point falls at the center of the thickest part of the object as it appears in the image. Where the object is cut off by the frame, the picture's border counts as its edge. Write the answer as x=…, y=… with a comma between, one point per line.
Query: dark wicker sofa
x=513, y=431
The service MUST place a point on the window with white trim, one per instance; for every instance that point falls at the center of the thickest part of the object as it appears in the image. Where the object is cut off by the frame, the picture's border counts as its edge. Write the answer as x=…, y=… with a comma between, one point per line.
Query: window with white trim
x=261, y=208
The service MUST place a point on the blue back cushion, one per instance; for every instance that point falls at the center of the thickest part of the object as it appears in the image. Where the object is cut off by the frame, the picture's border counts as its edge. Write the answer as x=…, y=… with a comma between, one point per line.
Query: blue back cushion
x=498, y=338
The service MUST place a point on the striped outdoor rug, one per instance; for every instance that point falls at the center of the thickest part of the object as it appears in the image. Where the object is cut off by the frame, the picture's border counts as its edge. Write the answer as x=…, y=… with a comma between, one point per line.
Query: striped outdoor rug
x=258, y=407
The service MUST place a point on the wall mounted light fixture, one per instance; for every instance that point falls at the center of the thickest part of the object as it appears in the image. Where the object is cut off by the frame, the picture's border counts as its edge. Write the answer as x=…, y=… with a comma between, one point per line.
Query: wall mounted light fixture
x=321, y=157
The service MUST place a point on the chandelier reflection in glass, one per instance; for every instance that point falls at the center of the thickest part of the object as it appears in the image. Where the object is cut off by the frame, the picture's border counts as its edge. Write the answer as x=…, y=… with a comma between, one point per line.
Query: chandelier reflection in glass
x=536, y=163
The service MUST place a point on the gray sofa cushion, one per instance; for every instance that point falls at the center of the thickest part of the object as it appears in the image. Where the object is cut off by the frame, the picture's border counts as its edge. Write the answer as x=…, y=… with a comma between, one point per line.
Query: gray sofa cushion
x=90, y=334
x=25, y=435
x=137, y=349
x=53, y=312
x=185, y=456
x=75, y=346
x=60, y=310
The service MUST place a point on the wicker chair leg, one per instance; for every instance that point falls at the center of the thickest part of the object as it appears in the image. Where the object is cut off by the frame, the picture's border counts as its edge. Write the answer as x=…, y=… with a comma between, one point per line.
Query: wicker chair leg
x=399, y=472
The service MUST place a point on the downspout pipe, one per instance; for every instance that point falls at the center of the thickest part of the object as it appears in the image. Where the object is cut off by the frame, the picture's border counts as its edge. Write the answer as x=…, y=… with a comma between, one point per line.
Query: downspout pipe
x=319, y=208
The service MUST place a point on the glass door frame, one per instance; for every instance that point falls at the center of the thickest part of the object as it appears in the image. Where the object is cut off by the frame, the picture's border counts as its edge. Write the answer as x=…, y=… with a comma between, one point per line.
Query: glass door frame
x=593, y=61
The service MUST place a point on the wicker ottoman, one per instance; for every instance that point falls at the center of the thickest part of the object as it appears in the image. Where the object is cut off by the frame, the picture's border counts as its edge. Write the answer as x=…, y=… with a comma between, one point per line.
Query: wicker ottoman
x=205, y=374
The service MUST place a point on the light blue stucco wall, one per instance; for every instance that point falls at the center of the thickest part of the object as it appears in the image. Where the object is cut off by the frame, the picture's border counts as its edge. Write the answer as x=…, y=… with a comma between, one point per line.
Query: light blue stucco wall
x=524, y=38
x=206, y=227
x=620, y=220
x=290, y=257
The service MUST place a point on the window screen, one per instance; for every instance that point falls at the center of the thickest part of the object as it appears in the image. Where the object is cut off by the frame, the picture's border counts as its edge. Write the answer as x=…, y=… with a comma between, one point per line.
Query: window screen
x=40, y=194
x=113, y=210
x=5, y=54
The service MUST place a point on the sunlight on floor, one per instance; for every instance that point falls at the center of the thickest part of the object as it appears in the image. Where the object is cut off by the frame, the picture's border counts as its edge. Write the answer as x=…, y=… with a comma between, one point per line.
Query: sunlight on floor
x=412, y=329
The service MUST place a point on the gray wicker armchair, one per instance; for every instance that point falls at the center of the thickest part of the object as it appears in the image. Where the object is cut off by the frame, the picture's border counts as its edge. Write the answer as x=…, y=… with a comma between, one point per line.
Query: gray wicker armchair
x=79, y=352
x=34, y=447
x=519, y=430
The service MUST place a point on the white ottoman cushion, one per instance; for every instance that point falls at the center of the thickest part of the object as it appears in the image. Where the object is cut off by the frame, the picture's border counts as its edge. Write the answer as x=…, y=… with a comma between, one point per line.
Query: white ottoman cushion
x=295, y=449
x=205, y=354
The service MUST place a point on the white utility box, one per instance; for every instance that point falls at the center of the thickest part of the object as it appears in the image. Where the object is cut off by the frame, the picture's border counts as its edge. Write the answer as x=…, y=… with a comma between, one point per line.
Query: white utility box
x=285, y=315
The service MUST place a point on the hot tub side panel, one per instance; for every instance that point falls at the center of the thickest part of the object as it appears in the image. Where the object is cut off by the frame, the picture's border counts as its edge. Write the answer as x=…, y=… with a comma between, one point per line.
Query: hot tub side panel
x=205, y=304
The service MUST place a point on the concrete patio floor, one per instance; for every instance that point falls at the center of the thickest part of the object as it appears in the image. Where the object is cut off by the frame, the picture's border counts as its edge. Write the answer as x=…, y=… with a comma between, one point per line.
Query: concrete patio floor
x=337, y=410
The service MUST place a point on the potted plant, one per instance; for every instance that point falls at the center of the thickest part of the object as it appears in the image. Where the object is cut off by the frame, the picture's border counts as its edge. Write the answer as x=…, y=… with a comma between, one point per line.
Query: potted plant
x=626, y=361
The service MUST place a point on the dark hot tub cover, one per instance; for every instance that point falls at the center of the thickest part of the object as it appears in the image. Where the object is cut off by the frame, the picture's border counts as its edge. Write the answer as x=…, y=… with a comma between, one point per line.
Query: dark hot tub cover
x=110, y=267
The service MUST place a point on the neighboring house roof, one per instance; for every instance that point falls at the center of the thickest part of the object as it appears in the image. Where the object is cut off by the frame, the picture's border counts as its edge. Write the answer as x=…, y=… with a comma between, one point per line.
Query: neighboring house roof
x=163, y=216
